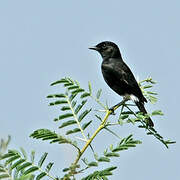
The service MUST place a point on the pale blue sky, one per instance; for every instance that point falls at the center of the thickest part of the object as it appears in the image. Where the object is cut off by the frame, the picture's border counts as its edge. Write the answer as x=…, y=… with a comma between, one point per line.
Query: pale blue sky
x=42, y=41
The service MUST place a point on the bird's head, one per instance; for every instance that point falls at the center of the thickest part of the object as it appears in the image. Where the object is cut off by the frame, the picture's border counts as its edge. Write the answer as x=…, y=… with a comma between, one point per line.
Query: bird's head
x=107, y=49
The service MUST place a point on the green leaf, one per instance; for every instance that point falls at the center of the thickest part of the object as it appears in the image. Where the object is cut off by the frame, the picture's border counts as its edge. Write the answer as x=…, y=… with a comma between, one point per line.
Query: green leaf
x=111, y=147
x=134, y=142
x=98, y=93
x=159, y=136
x=96, y=156
x=63, y=116
x=2, y=169
x=104, y=159
x=41, y=175
x=130, y=145
x=42, y=159
x=90, y=88
x=58, y=102
x=17, y=163
x=70, y=122
x=77, y=83
x=74, y=103
x=93, y=163
x=127, y=112
x=126, y=143
x=79, y=107
x=85, y=125
x=170, y=142
x=150, y=80
x=112, y=154
x=65, y=108
x=68, y=84
x=128, y=138
x=46, y=134
x=100, y=175
x=30, y=170
x=72, y=97
x=141, y=126
x=56, y=96
x=111, y=168
x=82, y=116
x=7, y=155
x=24, y=153
x=119, y=149
x=10, y=160
x=65, y=169
x=32, y=156
x=147, y=86
x=77, y=91
x=43, y=133
x=59, y=81
x=157, y=112
x=84, y=95
x=104, y=178
x=67, y=115
x=72, y=131
x=131, y=120
x=3, y=176
x=85, y=161
x=23, y=166
x=149, y=133
x=73, y=87
x=122, y=141
x=124, y=116
x=98, y=117
x=48, y=167
x=153, y=93
x=152, y=99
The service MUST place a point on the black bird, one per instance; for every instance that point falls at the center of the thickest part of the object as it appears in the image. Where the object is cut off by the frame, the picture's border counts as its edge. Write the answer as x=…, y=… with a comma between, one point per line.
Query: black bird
x=119, y=76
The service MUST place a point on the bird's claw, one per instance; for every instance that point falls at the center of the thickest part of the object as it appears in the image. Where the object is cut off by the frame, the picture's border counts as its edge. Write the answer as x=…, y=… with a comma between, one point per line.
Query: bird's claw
x=112, y=111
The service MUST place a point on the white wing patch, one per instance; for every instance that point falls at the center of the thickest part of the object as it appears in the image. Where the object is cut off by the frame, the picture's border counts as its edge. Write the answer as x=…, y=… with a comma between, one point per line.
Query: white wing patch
x=131, y=97
x=134, y=98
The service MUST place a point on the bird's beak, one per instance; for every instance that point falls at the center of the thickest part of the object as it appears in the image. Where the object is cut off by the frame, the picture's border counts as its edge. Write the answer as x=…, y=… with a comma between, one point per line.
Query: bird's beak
x=94, y=48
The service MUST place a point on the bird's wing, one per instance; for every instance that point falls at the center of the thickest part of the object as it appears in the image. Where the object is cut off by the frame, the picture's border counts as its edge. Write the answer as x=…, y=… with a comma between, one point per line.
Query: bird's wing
x=123, y=79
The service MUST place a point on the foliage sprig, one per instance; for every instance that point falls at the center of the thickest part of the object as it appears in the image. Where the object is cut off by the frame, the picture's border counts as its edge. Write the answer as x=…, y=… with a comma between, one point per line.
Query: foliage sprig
x=75, y=118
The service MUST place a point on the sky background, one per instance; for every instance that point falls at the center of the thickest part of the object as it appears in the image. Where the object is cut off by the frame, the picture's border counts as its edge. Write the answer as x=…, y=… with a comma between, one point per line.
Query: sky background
x=43, y=41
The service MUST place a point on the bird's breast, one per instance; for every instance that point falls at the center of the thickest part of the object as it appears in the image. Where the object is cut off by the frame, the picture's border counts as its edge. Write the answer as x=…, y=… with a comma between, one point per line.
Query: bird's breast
x=112, y=78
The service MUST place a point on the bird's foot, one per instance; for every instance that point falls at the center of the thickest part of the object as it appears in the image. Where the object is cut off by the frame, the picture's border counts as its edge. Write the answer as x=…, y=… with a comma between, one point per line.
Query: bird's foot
x=112, y=110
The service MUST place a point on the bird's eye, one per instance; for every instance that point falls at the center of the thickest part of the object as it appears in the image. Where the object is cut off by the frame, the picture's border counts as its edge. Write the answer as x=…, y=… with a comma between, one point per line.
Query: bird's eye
x=104, y=45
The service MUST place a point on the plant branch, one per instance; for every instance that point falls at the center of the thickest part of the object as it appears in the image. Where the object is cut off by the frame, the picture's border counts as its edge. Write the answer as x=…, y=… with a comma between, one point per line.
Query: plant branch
x=76, y=119
x=102, y=125
x=47, y=174
x=151, y=130
x=108, y=112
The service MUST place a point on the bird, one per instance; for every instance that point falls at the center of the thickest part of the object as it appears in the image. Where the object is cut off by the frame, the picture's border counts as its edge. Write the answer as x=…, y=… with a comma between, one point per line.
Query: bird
x=119, y=76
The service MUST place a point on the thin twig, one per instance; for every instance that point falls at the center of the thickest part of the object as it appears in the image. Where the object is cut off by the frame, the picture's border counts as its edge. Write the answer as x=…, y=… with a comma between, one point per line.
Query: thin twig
x=108, y=112
x=102, y=125
x=76, y=119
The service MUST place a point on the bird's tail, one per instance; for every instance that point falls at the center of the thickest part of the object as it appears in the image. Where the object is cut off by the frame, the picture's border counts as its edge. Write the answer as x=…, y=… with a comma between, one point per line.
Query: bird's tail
x=142, y=109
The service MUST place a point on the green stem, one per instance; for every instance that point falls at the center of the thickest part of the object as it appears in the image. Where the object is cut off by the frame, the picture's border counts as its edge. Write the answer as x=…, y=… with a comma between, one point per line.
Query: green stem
x=102, y=125
x=108, y=112
x=147, y=128
x=76, y=119
x=47, y=174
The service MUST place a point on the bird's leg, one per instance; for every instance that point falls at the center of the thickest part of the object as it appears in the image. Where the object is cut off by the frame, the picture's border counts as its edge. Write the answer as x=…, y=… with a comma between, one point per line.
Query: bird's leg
x=113, y=108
